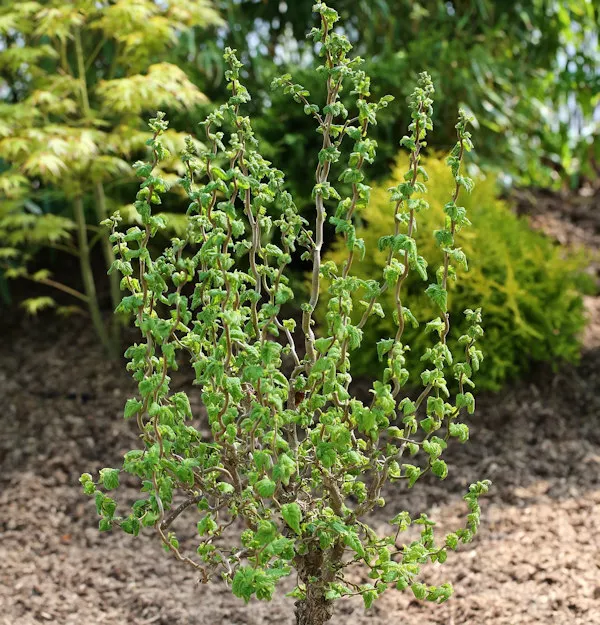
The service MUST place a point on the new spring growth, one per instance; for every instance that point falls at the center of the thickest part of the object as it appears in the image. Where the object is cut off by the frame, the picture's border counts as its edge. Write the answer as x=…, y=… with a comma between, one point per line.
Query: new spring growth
x=293, y=465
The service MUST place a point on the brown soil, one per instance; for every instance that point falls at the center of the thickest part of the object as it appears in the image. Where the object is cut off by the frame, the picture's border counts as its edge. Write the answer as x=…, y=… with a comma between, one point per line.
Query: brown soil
x=570, y=218
x=535, y=561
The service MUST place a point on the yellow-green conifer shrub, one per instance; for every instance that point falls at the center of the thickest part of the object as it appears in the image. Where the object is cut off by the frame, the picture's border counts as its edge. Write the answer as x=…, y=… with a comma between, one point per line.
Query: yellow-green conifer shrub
x=529, y=288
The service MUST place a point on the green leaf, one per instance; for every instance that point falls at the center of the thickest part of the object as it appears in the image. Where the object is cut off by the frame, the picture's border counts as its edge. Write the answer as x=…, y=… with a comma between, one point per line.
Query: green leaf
x=253, y=373
x=460, y=431
x=383, y=347
x=181, y=403
x=207, y=526
x=104, y=525
x=109, y=478
x=443, y=238
x=438, y=295
x=440, y=469
x=402, y=520
x=132, y=407
x=419, y=590
x=352, y=540
x=243, y=583
x=292, y=515
x=89, y=488
x=131, y=525
x=412, y=473
x=326, y=454
x=85, y=478
x=266, y=487
x=284, y=469
x=421, y=267
x=266, y=533
x=34, y=305
x=323, y=344
x=369, y=594
x=466, y=400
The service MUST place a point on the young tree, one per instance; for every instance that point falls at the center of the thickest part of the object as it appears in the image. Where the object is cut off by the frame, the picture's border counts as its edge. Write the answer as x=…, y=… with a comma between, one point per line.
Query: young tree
x=78, y=79
x=295, y=463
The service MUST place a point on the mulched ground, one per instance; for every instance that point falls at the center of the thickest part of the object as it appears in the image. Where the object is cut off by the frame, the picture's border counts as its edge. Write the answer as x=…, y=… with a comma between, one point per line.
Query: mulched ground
x=535, y=561
x=572, y=218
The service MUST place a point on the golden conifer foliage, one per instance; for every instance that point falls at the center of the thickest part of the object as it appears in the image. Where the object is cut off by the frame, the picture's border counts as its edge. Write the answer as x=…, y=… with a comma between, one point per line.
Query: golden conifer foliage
x=529, y=288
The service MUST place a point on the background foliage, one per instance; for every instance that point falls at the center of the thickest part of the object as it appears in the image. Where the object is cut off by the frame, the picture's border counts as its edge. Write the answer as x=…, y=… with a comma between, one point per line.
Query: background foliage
x=529, y=288
x=80, y=79
x=527, y=70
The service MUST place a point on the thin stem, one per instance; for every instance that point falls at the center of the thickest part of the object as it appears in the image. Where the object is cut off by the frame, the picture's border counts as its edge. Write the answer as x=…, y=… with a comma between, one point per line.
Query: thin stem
x=321, y=176
x=88, y=276
x=58, y=285
x=167, y=522
x=109, y=256
x=95, y=53
x=62, y=248
x=85, y=101
x=115, y=61
x=64, y=63
x=445, y=315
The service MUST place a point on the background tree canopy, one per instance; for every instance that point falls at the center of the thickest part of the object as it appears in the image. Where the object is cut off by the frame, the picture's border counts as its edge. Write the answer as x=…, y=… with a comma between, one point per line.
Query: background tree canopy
x=527, y=70
x=79, y=81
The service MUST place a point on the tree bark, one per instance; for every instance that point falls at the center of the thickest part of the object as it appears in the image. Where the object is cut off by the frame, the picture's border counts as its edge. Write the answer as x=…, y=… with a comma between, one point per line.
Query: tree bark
x=317, y=569
x=109, y=258
x=315, y=609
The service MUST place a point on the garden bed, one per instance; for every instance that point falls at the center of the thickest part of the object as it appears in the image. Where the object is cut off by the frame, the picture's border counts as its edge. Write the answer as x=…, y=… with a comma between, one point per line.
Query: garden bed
x=534, y=561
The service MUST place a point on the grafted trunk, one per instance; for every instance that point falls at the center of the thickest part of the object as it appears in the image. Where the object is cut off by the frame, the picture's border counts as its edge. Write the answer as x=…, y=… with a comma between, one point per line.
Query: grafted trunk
x=315, y=609
x=317, y=569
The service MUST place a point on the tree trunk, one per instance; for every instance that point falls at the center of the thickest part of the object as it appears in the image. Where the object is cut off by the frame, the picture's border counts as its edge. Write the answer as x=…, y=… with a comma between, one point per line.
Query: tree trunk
x=109, y=258
x=315, y=609
x=88, y=277
x=317, y=569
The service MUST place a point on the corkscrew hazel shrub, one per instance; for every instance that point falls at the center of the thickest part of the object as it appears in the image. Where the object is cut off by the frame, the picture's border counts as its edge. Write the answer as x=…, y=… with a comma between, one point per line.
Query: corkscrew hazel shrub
x=295, y=464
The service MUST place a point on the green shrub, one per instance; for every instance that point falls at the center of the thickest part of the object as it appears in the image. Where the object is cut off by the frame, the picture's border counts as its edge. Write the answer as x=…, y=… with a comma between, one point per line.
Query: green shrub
x=529, y=288
x=293, y=465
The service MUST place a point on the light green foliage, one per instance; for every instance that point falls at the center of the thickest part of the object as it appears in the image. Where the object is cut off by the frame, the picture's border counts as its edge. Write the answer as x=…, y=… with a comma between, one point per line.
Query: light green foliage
x=294, y=464
x=530, y=289
x=79, y=79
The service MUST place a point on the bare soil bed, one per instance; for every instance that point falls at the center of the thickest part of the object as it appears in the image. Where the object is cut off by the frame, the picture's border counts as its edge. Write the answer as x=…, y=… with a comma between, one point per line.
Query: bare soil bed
x=535, y=561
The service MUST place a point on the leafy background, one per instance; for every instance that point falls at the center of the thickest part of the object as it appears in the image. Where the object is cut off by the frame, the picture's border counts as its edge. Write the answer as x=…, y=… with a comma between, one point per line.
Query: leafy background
x=79, y=80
